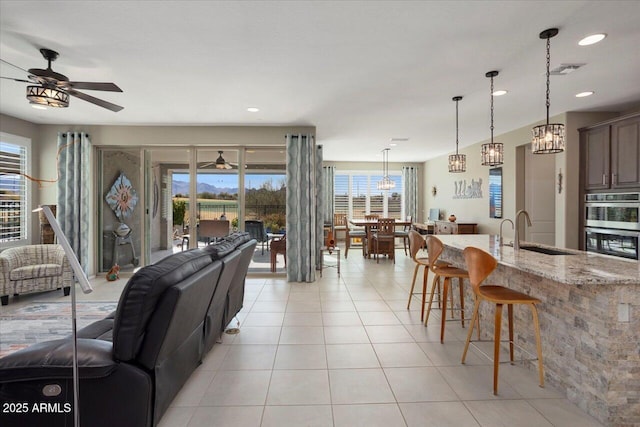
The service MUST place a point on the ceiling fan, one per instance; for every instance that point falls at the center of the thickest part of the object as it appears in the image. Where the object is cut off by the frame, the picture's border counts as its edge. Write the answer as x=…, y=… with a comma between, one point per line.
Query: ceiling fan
x=53, y=89
x=220, y=163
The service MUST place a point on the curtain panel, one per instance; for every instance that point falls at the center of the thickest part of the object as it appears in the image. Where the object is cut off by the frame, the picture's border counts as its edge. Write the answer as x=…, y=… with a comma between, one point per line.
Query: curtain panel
x=410, y=184
x=328, y=174
x=74, y=150
x=304, y=207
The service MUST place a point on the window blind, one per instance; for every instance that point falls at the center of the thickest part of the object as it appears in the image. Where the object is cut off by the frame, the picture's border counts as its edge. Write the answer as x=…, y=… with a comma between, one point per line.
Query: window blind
x=13, y=192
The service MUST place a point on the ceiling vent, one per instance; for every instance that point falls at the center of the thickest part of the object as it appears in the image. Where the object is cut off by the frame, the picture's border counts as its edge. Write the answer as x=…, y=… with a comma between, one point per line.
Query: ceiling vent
x=565, y=69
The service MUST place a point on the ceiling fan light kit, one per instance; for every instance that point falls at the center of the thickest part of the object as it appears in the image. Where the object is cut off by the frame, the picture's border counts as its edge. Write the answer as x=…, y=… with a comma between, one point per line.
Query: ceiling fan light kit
x=49, y=97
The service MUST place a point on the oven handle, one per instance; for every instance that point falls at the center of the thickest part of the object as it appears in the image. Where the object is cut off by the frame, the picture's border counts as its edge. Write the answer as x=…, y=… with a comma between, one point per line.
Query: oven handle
x=625, y=204
x=612, y=231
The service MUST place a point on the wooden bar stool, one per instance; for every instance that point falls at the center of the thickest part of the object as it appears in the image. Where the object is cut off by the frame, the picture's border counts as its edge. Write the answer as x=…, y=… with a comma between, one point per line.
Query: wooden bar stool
x=448, y=272
x=416, y=242
x=480, y=264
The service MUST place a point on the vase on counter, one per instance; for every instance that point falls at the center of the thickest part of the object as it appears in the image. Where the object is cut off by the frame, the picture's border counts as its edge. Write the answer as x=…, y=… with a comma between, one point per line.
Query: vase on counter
x=452, y=218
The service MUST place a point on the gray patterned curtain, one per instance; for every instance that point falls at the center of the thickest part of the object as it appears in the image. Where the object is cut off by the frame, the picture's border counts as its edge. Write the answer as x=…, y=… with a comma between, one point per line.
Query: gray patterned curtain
x=410, y=185
x=304, y=207
x=73, y=191
x=328, y=173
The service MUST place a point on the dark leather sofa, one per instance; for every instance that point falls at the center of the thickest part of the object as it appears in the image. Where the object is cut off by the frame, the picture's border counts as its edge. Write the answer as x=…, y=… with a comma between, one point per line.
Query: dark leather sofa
x=133, y=363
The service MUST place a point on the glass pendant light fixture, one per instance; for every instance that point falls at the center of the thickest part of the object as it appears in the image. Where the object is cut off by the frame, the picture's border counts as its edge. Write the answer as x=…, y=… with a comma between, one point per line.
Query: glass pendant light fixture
x=386, y=183
x=548, y=138
x=457, y=162
x=493, y=152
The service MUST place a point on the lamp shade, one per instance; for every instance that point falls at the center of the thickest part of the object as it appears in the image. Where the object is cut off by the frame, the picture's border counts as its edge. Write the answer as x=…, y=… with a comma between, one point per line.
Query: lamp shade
x=492, y=154
x=457, y=163
x=547, y=138
x=47, y=96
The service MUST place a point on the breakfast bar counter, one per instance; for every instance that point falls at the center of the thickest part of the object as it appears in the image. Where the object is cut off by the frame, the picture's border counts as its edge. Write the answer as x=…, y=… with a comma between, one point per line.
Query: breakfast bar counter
x=589, y=320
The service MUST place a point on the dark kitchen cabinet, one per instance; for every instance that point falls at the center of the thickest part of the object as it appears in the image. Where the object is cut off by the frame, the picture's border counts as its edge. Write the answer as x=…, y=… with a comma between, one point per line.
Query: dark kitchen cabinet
x=596, y=145
x=611, y=154
x=625, y=153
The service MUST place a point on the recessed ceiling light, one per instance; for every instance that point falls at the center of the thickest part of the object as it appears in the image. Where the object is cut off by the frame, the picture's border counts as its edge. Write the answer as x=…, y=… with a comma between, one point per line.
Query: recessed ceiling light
x=38, y=107
x=392, y=144
x=592, y=39
x=253, y=109
x=583, y=94
x=499, y=93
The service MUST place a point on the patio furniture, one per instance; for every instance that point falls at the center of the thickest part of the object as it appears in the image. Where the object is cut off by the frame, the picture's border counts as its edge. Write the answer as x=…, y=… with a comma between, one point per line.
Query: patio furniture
x=213, y=229
x=278, y=246
x=256, y=230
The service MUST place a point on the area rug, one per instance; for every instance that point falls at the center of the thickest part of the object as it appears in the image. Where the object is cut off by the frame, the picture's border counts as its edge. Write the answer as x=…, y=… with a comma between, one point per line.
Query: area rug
x=46, y=321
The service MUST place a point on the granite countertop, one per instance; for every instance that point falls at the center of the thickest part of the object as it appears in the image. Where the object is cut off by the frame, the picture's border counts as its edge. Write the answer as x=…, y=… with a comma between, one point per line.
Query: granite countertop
x=578, y=268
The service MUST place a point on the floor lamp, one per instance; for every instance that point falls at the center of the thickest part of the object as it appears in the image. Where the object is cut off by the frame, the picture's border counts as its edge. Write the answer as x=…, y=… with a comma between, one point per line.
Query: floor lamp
x=81, y=277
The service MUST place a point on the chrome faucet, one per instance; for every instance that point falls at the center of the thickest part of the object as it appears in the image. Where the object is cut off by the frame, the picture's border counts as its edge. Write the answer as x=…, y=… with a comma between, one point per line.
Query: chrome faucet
x=503, y=221
x=516, y=237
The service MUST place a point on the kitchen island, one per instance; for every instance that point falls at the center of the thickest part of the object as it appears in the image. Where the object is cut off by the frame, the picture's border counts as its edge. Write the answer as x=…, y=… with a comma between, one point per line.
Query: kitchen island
x=589, y=320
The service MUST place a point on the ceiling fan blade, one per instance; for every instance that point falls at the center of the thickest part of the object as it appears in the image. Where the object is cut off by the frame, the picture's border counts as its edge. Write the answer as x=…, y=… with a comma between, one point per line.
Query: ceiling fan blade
x=92, y=99
x=109, y=87
x=16, y=80
x=9, y=63
x=228, y=166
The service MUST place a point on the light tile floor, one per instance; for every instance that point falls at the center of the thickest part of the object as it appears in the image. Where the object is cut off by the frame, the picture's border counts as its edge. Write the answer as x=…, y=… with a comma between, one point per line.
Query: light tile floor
x=345, y=351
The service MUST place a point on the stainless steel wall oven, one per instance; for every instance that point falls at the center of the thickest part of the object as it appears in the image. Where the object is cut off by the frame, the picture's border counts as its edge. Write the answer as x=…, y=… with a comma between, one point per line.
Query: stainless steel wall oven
x=612, y=224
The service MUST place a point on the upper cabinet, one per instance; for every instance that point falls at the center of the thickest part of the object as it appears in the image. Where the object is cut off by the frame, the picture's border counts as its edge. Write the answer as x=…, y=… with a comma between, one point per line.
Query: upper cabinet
x=611, y=155
x=625, y=153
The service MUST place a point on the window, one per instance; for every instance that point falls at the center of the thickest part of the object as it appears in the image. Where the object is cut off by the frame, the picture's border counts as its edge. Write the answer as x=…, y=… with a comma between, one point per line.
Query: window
x=357, y=194
x=14, y=191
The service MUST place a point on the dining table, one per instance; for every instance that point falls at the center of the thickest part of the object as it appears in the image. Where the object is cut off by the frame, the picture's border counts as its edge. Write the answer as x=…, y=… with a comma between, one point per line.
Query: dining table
x=369, y=225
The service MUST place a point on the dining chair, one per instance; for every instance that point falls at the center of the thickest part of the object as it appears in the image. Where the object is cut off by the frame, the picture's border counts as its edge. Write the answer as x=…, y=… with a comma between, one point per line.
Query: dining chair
x=278, y=246
x=355, y=233
x=339, y=224
x=404, y=234
x=385, y=235
x=480, y=265
x=370, y=229
x=448, y=272
x=417, y=242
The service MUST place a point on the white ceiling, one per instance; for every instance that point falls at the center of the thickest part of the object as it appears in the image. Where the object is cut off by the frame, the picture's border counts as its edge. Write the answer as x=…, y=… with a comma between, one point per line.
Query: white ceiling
x=361, y=72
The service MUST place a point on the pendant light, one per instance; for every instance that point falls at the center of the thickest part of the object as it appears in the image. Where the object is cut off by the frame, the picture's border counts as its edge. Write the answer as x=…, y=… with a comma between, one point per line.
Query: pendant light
x=457, y=162
x=548, y=138
x=493, y=152
x=386, y=183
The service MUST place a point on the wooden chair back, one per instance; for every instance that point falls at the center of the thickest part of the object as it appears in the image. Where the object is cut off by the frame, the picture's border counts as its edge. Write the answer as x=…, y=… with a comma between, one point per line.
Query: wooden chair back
x=480, y=264
x=371, y=217
x=435, y=248
x=386, y=226
x=339, y=220
x=415, y=243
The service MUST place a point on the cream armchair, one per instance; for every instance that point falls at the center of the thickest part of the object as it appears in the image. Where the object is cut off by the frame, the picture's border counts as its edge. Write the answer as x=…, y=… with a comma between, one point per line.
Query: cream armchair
x=33, y=268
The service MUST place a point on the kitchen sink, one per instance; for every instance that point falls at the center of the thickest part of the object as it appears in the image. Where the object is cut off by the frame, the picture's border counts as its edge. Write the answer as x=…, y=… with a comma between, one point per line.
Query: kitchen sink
x=547, y=251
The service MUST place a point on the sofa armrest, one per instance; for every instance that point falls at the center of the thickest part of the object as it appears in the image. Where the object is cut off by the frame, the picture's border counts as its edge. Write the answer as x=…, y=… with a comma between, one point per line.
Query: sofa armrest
x=54, y=360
